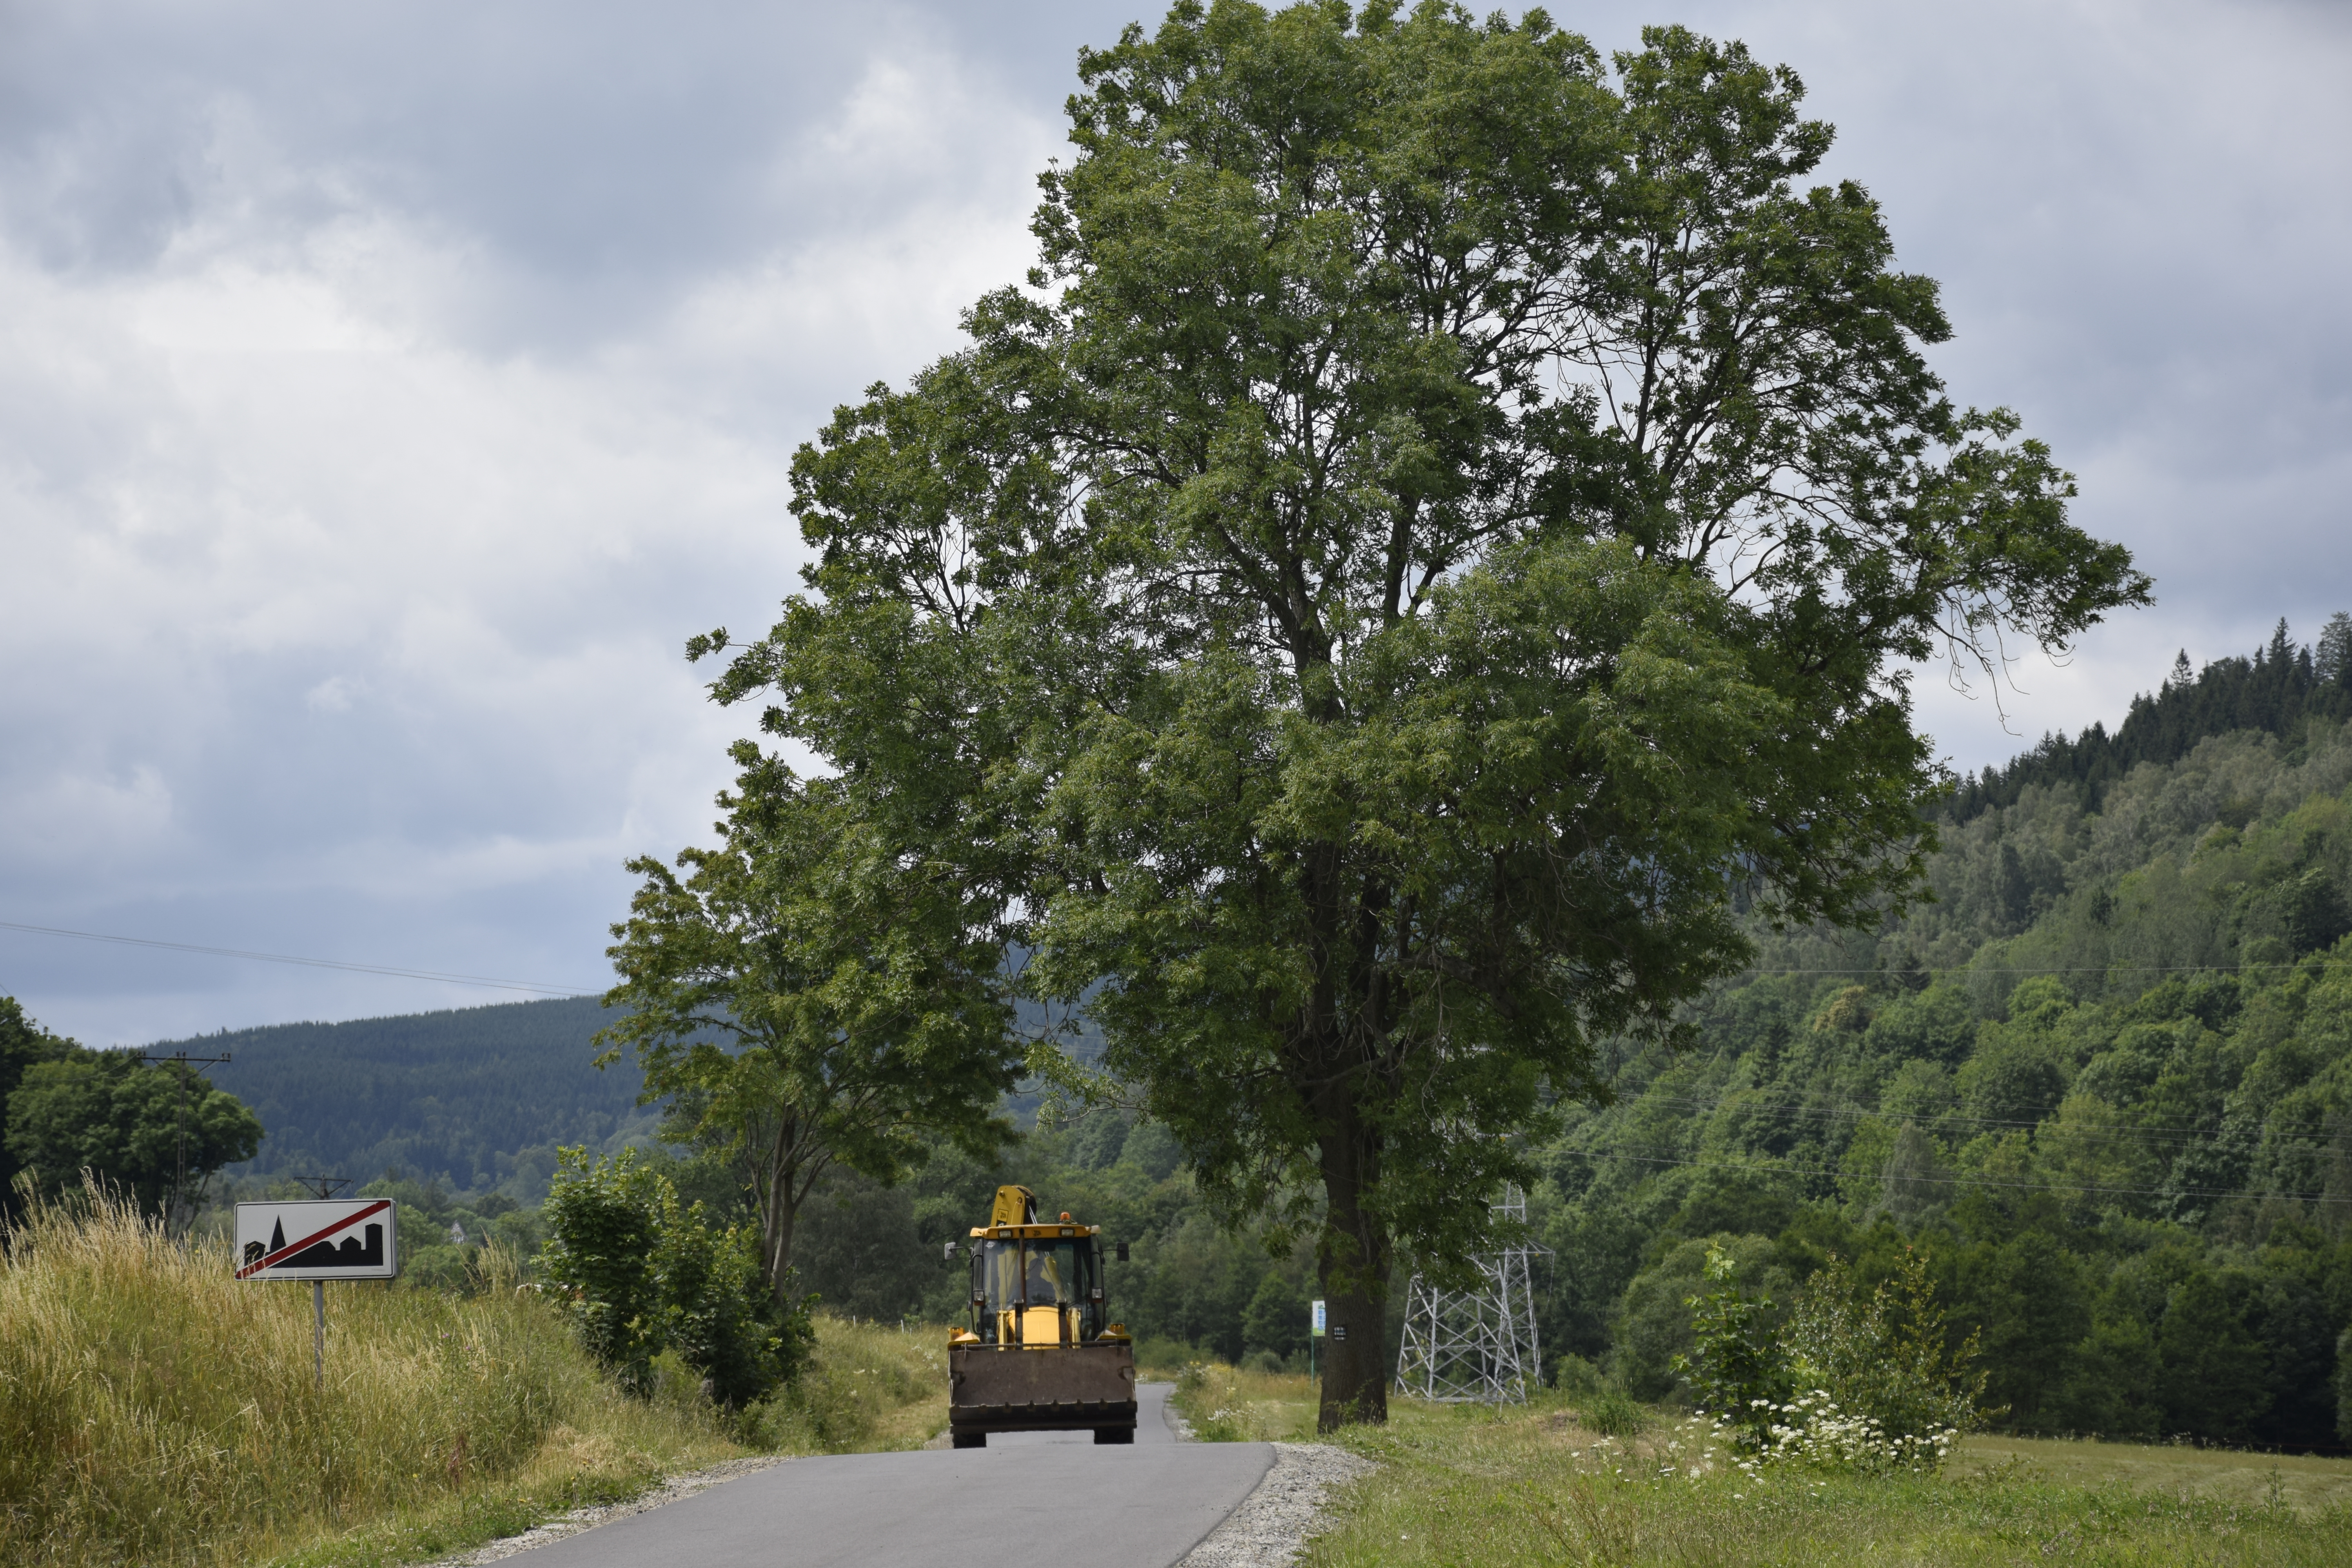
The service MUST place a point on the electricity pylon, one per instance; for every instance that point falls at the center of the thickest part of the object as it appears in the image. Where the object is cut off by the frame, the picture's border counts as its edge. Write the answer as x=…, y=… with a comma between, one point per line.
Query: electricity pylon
x=1477, y=1345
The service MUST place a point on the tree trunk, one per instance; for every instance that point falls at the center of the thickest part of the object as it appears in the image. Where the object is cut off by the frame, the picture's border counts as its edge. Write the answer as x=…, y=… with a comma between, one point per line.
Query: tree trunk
x=1353, y=1268
x=776, y=1223
x=779, y=1188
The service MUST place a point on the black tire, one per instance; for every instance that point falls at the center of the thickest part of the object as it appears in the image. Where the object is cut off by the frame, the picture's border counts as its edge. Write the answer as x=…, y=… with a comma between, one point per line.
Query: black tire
x=968, y=1440
x=1114, y=1434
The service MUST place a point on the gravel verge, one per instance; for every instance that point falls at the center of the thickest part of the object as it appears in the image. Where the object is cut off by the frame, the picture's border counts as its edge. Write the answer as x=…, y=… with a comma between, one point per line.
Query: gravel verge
x=1271, y=1526
x=672, y=1488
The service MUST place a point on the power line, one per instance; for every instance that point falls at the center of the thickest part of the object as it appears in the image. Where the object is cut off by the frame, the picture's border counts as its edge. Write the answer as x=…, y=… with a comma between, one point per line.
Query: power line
x=2186, y=1134
x=1985, y=1182
x=478, y=980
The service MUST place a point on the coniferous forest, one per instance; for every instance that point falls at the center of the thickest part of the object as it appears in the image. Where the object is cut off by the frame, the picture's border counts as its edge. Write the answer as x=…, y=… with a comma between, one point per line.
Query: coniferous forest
x=2102, y=1082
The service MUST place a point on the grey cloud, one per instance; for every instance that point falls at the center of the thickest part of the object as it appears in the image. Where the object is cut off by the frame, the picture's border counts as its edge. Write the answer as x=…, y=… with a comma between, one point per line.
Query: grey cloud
x=385, y=391
x=604, y=156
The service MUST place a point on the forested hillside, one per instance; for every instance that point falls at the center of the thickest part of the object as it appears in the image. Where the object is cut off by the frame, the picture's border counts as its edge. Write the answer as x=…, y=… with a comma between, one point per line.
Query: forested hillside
x=2103, y=1083
x=475, y=1097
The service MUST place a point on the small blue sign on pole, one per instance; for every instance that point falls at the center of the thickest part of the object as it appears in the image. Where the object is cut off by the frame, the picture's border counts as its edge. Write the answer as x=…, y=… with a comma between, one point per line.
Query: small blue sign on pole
x=1317, y=1330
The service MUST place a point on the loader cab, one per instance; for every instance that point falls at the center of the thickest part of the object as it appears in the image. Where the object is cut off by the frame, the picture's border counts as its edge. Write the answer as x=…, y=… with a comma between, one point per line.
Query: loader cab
x=1035, y=1285
x=1038, y=1285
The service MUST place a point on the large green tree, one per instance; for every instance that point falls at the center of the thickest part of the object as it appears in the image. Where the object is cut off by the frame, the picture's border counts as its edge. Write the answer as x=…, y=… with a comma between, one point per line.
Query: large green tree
x=157, y=1130
x=1447, y=523
x=807, y=998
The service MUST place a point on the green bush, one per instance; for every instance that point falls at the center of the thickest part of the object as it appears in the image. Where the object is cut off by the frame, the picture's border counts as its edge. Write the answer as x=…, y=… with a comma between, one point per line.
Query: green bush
x=603, y=1222
x=640, y=1274
x=1737, y=1371
x=1573, y=1375
x=1854, y=1380
x=1613, y=1412
x=717, y=1308
x=1883, y=1355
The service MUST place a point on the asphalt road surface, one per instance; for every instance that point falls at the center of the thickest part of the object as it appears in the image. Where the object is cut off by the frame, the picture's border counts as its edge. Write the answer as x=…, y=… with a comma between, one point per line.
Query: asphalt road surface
x=1028, y=1499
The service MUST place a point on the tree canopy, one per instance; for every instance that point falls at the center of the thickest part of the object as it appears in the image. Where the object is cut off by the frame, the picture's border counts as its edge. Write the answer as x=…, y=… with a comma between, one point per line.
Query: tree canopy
x=157, y=1129
x=806, y=1000
x=23, y=1044
x=1444, y=525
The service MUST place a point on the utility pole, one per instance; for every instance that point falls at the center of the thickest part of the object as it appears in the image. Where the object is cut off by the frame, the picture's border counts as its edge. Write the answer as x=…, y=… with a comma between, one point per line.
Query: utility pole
x=180, y=1135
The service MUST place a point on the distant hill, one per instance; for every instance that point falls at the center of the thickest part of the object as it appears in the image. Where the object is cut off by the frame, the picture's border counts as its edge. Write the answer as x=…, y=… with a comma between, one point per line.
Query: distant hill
x=475, y=1096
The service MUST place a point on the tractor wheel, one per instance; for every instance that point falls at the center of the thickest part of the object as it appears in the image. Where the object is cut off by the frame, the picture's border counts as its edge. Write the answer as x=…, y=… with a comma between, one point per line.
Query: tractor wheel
x=970, y=1439
x=1114, y=1434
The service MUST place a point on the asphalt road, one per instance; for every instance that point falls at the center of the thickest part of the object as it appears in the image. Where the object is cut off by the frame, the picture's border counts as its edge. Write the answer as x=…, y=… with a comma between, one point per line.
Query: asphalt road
x=1028, y=1499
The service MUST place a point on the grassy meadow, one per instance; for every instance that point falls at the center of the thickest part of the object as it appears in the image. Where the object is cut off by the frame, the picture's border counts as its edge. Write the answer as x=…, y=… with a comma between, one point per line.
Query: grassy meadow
x=1538, y=1485
x=159, y=1412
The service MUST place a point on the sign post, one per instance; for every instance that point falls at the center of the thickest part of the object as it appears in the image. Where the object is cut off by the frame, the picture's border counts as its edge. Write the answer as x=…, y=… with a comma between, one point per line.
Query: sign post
x=318, y=1239
x=1314, y=1332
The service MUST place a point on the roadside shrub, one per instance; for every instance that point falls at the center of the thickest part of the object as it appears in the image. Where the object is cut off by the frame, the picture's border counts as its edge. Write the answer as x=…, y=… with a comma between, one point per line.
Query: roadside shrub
x=1885, y=1355
x=1864, y=1380
x=717, y=1308
x=1737, y=1371
x=1613, y=1412
x=604, y=1224
x=639, y=1275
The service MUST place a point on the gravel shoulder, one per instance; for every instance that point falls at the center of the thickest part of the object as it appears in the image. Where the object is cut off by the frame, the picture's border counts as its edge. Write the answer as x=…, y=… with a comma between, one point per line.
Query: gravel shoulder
x=1273, y=1523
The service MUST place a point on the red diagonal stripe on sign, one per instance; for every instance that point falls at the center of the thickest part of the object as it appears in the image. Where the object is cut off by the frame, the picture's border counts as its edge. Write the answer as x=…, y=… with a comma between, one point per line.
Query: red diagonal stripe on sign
x=292, y=1247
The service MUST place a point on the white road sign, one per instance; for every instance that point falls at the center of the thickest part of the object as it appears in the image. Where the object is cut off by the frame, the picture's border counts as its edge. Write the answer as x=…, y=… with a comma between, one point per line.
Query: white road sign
x=1317, y=1330
x=324, y=1238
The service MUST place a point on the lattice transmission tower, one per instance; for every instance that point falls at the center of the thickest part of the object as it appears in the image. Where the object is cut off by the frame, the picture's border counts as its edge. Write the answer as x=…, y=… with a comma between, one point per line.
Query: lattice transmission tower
x=1478, y=1345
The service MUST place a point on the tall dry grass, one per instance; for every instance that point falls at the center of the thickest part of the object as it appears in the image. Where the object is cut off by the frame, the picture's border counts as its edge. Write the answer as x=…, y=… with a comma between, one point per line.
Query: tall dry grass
x=154, y=1410
x=868, y=1388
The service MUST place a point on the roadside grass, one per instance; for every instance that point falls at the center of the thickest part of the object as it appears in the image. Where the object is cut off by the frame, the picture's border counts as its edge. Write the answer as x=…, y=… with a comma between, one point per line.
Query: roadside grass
x=157, y=1410
x=2307, y=1482
x=868, y=1389
x=1160, y=1360
x=1542, y=1484
x=1229, y=1405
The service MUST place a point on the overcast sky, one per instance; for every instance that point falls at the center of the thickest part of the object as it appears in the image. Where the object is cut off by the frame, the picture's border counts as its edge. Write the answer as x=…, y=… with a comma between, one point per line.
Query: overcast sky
x=387, y=391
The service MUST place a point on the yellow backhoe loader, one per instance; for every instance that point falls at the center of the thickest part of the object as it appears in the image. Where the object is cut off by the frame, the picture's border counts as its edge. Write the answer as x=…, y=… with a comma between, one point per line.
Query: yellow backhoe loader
x=1041, y=1355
